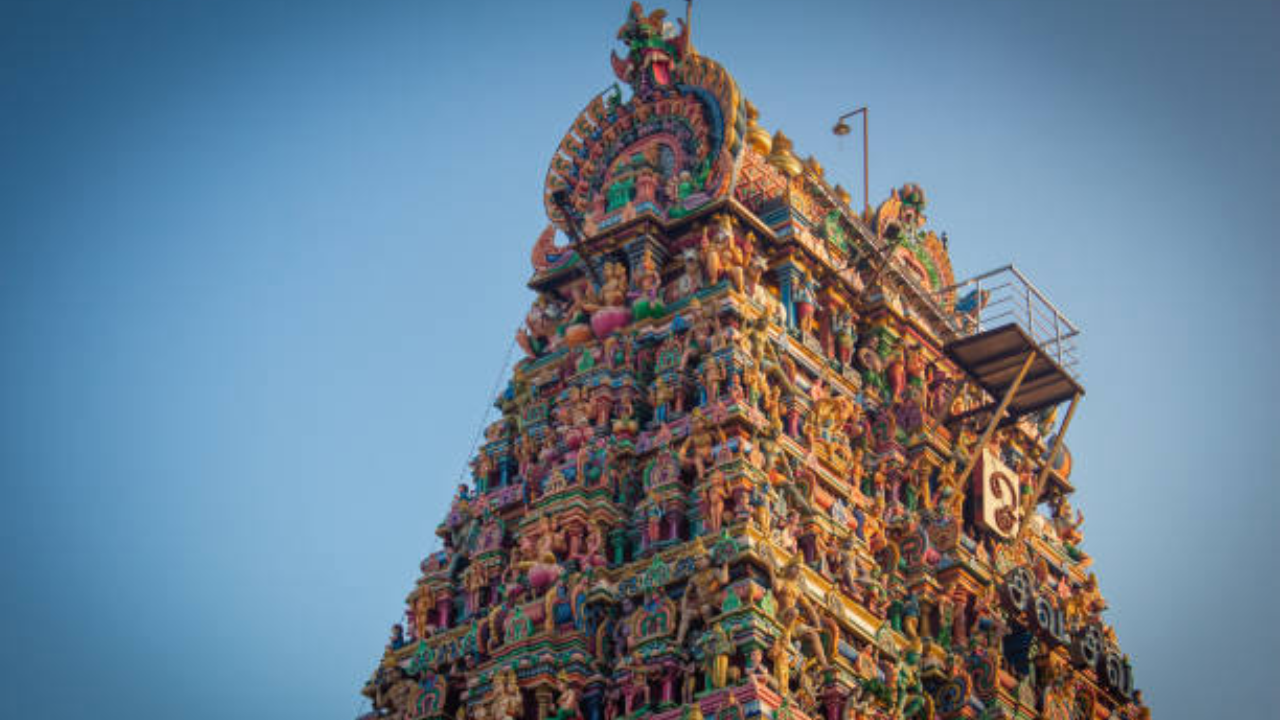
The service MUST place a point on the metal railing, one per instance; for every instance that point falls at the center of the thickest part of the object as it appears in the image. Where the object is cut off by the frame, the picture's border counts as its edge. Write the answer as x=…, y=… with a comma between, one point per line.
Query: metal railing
x=1004, y=296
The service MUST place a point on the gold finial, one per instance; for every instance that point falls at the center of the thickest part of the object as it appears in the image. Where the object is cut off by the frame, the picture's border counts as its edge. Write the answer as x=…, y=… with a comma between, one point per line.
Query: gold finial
x=782, y=158
x=757, y=137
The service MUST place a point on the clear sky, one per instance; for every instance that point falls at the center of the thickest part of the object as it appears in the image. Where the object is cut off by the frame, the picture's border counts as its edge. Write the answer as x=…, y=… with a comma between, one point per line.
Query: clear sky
x=260, y=263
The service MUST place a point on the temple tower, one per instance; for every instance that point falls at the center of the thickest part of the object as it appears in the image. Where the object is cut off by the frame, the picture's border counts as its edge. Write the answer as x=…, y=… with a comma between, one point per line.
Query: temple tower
x=764, y=456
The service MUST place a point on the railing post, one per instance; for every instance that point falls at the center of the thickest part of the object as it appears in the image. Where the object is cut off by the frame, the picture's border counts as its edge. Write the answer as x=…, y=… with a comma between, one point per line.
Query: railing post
x=1031, y=322
x=981, y=306
x=1057, y=337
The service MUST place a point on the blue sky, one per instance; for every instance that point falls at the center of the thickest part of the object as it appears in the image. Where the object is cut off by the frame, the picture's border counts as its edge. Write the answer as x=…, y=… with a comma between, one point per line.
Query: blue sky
x=260, y=263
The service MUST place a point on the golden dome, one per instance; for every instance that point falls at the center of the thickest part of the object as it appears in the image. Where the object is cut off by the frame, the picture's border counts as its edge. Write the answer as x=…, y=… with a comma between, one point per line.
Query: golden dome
x=782, y=158
x=757, y=137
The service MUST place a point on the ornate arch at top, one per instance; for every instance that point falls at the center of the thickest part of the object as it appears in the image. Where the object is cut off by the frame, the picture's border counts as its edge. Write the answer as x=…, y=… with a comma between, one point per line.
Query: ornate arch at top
x=672, y=148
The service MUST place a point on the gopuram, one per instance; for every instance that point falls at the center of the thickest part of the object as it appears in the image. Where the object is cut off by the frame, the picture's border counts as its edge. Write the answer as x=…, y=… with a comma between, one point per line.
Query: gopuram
x=764, y=457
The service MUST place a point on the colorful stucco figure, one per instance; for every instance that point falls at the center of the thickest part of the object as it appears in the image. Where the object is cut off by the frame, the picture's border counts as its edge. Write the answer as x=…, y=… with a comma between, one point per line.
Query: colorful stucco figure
x=653, y=48
x=763, y=456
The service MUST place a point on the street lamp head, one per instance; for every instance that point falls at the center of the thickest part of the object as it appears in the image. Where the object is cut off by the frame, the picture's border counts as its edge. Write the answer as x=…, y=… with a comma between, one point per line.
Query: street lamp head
x=841, y=128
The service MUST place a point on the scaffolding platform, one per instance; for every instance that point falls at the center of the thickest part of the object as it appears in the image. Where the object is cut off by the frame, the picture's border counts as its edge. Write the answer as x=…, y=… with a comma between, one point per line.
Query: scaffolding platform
x=994, y=357
x=1002, y=318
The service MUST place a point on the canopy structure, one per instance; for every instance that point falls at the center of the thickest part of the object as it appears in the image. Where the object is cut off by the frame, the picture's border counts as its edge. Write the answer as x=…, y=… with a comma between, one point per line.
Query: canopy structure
x=994, y=357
